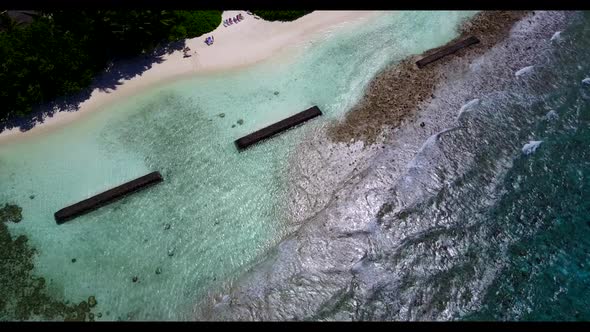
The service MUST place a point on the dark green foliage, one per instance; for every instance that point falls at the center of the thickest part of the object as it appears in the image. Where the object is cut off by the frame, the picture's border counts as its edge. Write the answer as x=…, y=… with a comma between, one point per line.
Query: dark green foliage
x=281, y=15
x=61, y=52
x=195, y=23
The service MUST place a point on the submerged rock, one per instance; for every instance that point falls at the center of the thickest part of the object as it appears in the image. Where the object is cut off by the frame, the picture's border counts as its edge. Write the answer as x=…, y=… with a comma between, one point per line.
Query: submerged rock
x=240, y=122
x=91, y=301
x=11, y=213
x=159, y=270
x=83, y=306
x=222, y=115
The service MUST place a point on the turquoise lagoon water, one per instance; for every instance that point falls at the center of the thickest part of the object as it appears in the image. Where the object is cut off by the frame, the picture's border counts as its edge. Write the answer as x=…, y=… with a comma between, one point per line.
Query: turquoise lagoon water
x=218, y=210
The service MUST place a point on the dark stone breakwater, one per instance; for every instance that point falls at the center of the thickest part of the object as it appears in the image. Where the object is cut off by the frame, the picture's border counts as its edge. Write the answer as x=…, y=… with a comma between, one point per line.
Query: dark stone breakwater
x=107, y=197
x=449, y=50
x=277, y=128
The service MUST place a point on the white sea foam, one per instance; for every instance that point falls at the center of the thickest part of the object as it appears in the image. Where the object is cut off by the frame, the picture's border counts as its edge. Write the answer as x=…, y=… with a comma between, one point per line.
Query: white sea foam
x=556, y=35
x=552, y=115
x=586, y=81
x=430, y=143
x=468, y=106
x=531, y=147
x=523, y=71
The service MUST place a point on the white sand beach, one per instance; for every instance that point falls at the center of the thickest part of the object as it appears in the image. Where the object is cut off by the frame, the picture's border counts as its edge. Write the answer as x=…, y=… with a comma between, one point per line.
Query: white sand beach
x=245, y=43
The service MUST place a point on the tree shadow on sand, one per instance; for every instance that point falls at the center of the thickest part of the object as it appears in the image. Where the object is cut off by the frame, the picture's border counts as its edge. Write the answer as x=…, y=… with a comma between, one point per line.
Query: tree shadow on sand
x=107, y=81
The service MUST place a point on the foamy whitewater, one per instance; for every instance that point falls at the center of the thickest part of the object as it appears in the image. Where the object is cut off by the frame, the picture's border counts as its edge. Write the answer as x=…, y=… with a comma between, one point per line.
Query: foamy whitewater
x=449, y=221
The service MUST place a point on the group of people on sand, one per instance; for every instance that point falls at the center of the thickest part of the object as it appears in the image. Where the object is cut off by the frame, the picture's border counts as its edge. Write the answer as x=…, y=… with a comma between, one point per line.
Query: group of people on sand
x=185, y=50
x=233, y=20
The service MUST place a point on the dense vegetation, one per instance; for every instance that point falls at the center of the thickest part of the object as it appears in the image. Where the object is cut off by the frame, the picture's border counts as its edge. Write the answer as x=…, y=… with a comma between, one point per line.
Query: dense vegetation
x=60, y=52
x=280, y=15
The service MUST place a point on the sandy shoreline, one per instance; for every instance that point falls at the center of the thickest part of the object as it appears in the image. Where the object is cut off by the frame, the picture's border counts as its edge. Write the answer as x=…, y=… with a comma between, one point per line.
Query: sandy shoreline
x=246, y=43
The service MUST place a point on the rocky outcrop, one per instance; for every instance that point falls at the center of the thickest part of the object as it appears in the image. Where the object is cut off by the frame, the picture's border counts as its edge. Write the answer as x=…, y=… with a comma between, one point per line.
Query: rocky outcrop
x=400, y=90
